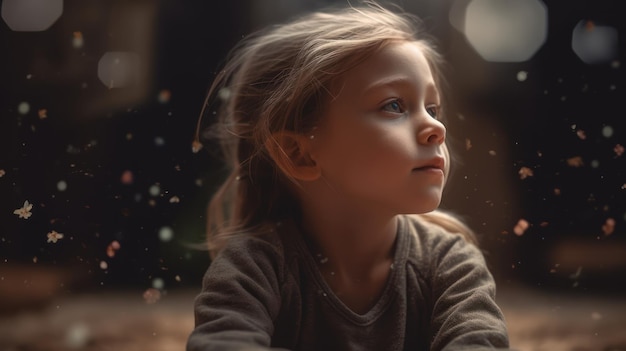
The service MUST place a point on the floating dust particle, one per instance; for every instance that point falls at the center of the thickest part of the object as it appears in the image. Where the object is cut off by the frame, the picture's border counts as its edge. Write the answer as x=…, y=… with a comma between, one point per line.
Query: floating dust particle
x=25, y=211
x=158, y=283
x=112, y=248
x=609, y=226
x=127, y=177
x=607, y=131
x=174, y=199
x=196, y=146
x=581, y=134
x=557, y=191
x=2, y=172
x=521, y=227
x=166, y=234
x=164, y=96
x=492, y=152
x=42, y=113
x=155, y=190
x=104, y=265
x=591, y=198
x=575, y=161
x=555, y=268
x=54, y=236
x=77, y=40
x=71, y=149
x=115, y=245
x=522, y=76
x=223, y=94
x=23, y=108
x=78, y=336
x=151, y=295
x=576, y=274
x=618, y=149
x=525, y=172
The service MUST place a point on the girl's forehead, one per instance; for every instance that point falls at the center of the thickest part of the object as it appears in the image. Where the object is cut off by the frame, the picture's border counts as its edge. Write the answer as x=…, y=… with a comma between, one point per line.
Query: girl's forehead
x=397, y=63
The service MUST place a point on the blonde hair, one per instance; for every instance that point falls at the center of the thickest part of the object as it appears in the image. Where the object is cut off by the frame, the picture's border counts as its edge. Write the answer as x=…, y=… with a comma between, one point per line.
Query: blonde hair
x=278, y=79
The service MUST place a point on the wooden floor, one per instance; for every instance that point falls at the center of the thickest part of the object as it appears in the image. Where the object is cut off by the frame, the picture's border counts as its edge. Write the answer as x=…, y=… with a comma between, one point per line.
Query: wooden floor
x=124, y=321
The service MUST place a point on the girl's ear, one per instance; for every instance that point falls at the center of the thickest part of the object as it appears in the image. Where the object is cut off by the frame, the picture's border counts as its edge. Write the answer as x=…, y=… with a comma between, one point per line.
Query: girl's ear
x=292, y=154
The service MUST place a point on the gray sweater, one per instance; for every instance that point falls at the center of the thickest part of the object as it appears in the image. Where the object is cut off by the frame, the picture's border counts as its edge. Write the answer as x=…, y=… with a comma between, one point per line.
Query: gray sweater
x=266, y=291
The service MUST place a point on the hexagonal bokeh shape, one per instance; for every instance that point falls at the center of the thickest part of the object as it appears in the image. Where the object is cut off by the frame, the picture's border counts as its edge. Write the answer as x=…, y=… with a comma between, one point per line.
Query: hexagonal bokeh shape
x=506, y=30
x=593, y=43
x=118, y=69
x=31, y=15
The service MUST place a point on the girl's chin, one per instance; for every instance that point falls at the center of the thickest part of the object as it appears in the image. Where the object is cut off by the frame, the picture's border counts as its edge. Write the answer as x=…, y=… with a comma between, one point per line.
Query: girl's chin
x=428, y=205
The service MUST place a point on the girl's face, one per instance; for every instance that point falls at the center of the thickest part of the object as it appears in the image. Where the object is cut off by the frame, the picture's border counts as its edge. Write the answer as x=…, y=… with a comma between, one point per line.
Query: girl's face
x=379, y=142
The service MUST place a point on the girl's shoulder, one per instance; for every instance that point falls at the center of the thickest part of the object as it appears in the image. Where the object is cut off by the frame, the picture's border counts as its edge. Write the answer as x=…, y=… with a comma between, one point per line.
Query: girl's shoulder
x=252, y=250
x=268, y=255
x=435, y=227
x=255, y=243
x=438, y=236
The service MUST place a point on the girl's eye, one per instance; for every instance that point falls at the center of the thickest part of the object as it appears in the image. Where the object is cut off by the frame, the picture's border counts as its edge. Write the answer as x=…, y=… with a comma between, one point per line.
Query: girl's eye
x=394, y=106
x=433, y=111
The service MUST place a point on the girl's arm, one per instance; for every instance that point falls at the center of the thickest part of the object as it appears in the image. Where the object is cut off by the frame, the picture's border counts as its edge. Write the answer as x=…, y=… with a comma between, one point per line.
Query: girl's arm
x=240, y=298
x=465, y=315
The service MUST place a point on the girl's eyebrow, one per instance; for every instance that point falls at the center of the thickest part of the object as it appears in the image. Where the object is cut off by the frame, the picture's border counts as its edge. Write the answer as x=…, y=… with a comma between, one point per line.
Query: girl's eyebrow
x=389, y=81
x=401, y=81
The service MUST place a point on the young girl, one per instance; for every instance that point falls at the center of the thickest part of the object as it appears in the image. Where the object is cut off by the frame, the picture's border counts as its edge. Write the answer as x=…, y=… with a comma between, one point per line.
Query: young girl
x=323, y=236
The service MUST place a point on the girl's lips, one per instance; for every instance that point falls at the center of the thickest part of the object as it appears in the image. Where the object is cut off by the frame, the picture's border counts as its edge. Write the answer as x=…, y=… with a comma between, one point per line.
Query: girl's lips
x=429, y=169
x=434, y=165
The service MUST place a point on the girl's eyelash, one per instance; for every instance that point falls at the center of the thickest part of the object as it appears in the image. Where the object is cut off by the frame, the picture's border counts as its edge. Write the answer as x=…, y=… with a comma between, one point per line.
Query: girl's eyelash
x=435, y=108
x=397, y=106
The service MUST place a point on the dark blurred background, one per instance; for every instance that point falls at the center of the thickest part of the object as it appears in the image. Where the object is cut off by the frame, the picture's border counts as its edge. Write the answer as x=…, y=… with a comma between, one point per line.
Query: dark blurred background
x=98, y=111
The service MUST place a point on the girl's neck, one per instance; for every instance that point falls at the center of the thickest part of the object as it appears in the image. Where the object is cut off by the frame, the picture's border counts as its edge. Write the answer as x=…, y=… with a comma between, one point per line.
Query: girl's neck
x=353, y=243
x=352, y=240
x=354, y=251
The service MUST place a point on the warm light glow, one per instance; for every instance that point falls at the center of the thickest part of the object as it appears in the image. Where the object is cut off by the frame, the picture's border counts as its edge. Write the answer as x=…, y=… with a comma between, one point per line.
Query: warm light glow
x=593, y=43
x=118, y=69
x=31, y=15
x=506, y=30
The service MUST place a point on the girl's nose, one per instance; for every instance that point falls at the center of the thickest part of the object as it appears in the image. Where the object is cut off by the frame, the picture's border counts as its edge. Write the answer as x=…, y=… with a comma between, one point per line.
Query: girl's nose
x=431, y=131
